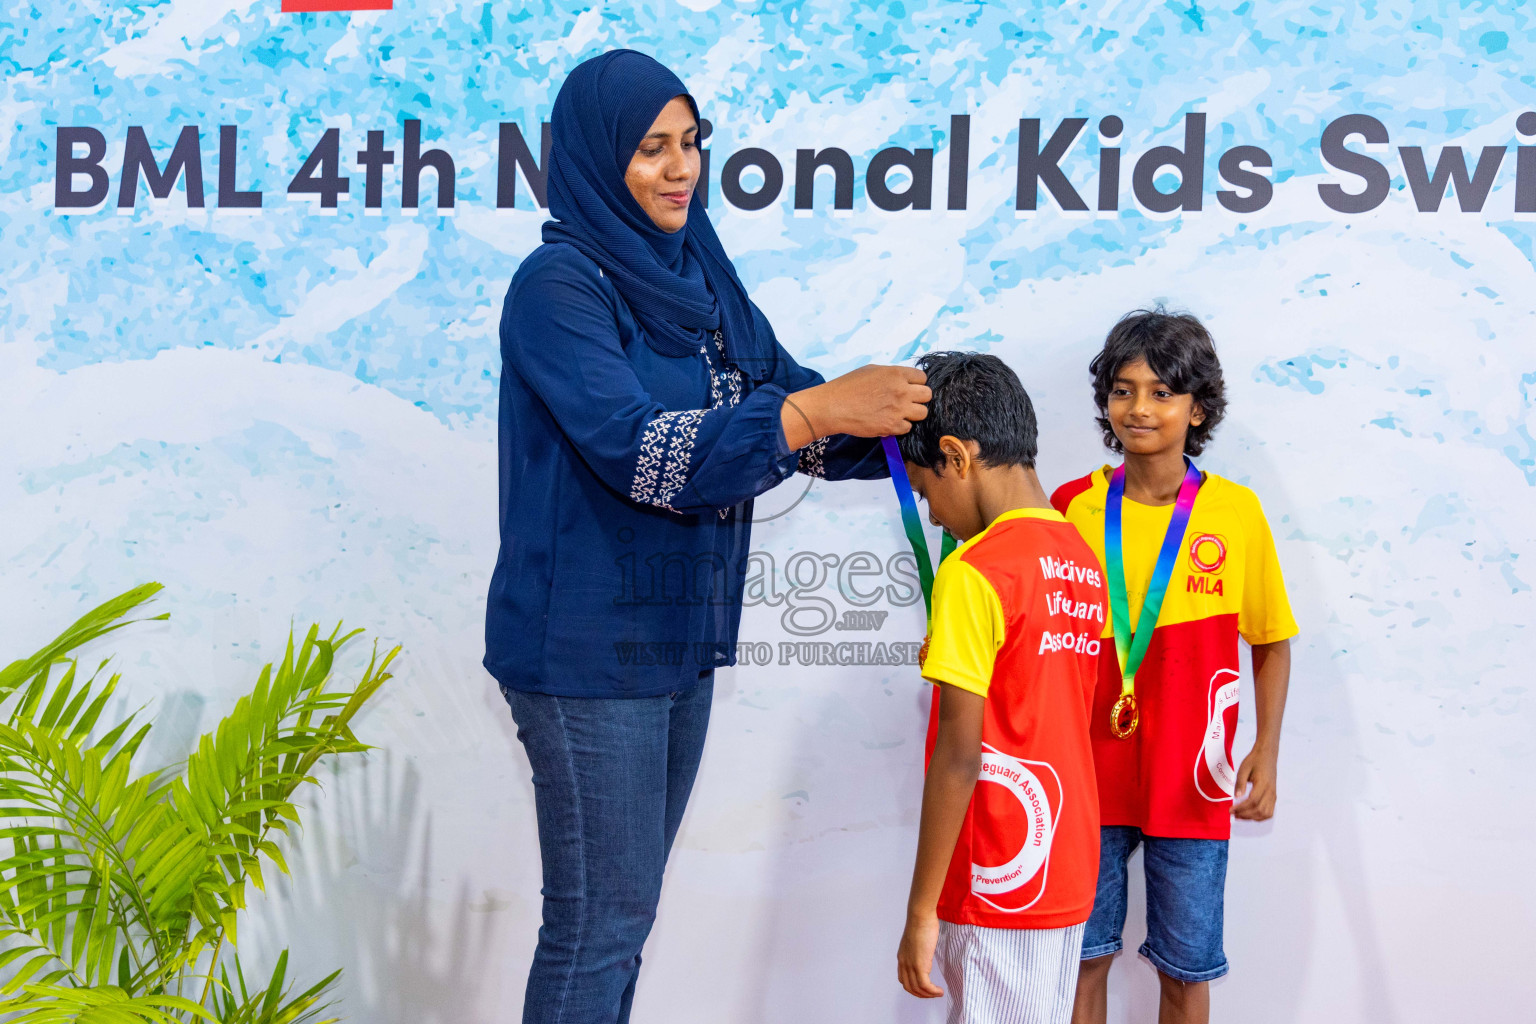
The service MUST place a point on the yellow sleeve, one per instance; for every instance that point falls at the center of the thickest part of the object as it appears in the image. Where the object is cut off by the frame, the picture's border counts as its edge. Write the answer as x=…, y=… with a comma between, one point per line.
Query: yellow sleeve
x=1265, y=615
x=967, y=629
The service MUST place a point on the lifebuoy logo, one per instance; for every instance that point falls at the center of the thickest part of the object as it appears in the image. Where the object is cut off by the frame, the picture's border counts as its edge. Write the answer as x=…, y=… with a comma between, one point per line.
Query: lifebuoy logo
x=1012, y=854
x=1215, y=777
x=323, y=6
x=1208, y=553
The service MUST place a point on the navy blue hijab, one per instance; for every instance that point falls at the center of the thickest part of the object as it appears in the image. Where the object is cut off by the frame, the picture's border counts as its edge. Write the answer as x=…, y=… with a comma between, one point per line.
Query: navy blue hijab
x=678, y=286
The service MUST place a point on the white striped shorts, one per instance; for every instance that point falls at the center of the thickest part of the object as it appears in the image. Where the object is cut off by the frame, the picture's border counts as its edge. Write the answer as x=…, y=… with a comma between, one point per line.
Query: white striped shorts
x=1009, y=975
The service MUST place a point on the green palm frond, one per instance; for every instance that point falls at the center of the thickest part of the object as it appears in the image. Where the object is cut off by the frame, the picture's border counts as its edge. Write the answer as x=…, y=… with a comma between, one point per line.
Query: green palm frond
x=239, y=782
x=119, y=892
x=95, y=623
x=235, y=1003
x=66, y=890
x=57, y=1004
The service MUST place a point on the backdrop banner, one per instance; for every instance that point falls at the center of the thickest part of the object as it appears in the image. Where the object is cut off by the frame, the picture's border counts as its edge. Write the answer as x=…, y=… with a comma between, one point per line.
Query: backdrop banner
x=254, y=254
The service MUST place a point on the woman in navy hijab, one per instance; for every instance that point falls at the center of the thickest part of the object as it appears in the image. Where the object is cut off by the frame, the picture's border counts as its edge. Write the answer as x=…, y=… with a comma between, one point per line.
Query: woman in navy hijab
x=644, y=403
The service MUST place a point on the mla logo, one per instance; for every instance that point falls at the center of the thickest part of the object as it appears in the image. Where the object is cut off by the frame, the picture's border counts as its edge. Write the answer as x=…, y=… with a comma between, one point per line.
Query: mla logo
x=1022, y=807
x=1215, y=778
x=1208, y=553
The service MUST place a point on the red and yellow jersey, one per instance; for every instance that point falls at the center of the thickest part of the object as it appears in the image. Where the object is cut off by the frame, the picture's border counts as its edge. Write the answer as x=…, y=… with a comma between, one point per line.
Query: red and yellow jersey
x=1017, y=612
x=1174, y=775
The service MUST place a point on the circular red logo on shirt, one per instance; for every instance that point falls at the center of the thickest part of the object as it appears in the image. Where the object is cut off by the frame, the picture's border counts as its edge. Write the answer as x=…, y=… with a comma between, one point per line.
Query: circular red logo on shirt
x=1014, y=827
x=1207, y=552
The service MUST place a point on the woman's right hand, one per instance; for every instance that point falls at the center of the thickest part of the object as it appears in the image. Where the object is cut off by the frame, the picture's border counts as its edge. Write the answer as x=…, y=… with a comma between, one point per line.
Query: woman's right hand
x=872, y=401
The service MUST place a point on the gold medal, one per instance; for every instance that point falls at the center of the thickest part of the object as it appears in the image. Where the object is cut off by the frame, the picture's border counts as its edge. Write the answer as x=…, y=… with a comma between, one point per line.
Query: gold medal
x=1123, y=717
x=1131, y=647
x=922, y=653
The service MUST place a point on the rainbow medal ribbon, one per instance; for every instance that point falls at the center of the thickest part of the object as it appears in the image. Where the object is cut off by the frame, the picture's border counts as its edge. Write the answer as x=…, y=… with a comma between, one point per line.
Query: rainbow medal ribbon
x=912, y=523
x=1131, y=648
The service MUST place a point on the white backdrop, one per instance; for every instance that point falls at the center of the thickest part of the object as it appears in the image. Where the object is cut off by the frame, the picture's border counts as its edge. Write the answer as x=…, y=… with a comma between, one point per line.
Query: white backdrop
x=289, y=418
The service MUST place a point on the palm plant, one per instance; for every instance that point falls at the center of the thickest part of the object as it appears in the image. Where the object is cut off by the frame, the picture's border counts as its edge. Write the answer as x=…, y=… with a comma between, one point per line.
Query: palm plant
x=120, y=892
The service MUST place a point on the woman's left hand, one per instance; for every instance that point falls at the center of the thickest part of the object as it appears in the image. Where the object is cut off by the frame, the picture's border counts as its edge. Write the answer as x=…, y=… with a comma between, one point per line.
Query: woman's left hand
x=872, y=401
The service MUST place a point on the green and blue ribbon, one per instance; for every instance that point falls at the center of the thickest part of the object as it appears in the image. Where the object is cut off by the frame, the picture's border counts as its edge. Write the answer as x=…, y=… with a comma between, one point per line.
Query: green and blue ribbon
x=912, y=522
x=1129, y=647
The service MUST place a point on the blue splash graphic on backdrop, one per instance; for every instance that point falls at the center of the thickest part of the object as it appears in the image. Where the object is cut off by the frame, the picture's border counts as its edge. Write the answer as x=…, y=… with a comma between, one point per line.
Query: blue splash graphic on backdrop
x=291, y=412
x=152, y=281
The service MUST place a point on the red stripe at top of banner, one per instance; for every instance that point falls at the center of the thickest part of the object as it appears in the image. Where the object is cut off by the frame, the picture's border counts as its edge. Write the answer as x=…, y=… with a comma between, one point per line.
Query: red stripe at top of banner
x=315, y=6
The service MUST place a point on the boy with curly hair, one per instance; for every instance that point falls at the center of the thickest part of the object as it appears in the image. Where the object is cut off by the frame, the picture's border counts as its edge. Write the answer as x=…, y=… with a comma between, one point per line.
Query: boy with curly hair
x=1190, y=567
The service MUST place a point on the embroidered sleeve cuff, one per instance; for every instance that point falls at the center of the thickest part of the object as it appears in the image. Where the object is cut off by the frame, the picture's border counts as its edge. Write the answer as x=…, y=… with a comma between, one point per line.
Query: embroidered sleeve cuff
x=813, y=458
x=666, y=457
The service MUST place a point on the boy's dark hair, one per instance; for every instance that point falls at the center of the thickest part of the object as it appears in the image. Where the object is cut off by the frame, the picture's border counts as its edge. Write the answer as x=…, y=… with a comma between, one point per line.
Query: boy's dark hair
x=976, y=397
x=1177, y=348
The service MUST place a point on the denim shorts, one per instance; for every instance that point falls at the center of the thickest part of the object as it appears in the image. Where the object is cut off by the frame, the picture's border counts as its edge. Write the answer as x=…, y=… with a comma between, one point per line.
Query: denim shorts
x=1186, y=881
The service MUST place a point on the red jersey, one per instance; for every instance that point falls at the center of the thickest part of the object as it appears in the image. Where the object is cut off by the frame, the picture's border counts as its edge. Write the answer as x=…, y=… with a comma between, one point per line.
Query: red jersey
x=1174, y=775
x=1017, y=616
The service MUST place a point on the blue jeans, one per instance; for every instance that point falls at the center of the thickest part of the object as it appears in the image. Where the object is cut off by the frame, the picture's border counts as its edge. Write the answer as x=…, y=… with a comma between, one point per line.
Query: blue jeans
x=611, y=777
x=1186, y=886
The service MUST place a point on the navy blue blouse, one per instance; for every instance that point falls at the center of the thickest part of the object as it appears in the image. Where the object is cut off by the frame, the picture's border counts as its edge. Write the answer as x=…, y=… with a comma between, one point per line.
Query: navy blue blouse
x=627, y=479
